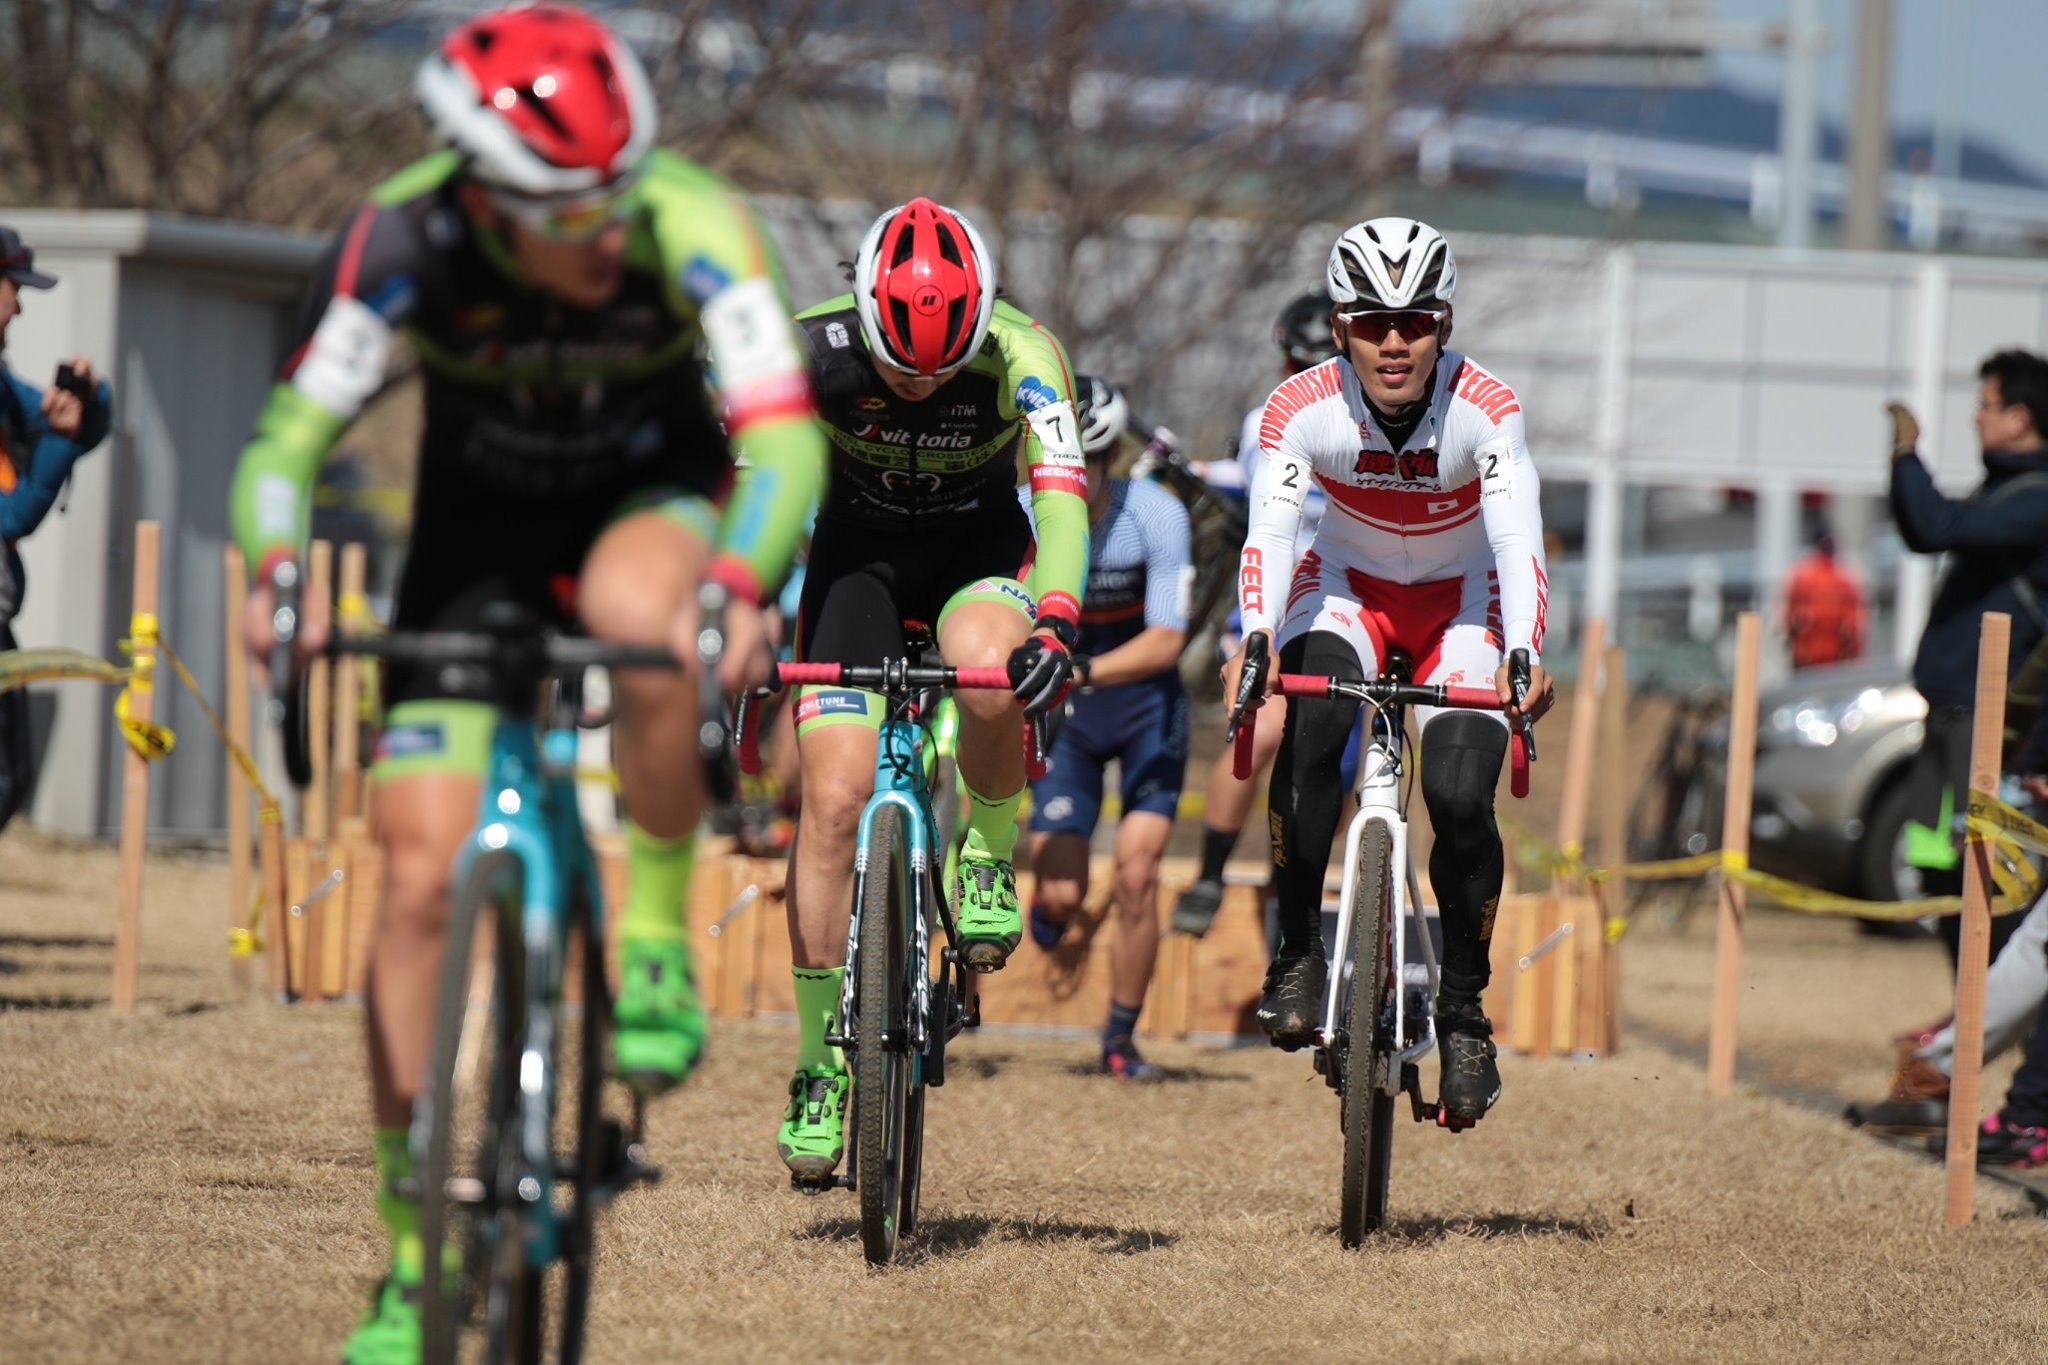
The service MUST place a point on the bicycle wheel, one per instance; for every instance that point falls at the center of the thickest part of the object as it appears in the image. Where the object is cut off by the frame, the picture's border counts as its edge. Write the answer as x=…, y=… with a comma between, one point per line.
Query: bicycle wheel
x=593, y=1152
x=938, y=1006
x=1369, y=1046
x=881, y=1075
x=464, y=1129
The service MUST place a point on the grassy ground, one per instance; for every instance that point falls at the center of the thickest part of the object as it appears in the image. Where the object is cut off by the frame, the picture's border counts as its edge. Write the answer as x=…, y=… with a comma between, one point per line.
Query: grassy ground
x=192, y=1184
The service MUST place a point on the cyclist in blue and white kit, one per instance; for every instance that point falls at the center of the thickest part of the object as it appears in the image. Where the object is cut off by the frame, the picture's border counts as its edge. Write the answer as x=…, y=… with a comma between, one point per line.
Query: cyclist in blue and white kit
x=1133, y=710
x=1303, y=335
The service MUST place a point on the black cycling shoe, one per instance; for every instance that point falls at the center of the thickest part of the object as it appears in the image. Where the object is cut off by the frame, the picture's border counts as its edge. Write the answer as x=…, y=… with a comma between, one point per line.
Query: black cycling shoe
x=1291, y=1006
x=1196, y=909
x=1471, y=1080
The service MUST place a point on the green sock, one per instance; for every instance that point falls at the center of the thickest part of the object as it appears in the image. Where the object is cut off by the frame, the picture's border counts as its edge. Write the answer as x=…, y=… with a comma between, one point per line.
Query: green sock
x=657, y=885
x=992, y=823
x=817, y=1012
x=401, y=1215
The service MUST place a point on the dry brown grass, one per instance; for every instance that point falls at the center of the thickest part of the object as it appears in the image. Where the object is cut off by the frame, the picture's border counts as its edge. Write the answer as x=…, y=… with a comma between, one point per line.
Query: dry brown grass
x=192, y=1185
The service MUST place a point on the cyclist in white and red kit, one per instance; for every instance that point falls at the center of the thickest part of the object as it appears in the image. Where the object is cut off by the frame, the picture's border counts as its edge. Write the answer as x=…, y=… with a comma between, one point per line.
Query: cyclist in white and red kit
x=1432, y=545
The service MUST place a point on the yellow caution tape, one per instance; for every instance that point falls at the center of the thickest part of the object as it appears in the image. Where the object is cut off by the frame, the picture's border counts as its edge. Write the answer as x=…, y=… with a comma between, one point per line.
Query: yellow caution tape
x=1990, y=818
x=1991, y=821
x=20, y=667
x=148, y=739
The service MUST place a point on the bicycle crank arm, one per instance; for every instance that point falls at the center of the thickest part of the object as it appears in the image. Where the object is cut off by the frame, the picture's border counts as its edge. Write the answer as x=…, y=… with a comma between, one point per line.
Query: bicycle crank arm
x=1428, y=1111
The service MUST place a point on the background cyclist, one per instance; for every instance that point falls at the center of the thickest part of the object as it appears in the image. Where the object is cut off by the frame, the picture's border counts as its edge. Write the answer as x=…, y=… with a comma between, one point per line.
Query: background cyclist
x=1302, y=333
x=1133, y=710
x=1432, y=545
x=557, y=278
x=928, y=385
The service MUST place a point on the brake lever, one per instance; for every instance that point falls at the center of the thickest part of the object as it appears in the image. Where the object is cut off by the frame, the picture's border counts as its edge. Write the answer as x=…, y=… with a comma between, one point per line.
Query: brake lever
x=1518, y=687
x=1251, y=683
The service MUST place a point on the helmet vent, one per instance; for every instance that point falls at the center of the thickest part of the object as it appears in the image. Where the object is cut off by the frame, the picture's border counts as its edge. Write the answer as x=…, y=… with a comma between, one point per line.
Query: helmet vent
x=542, y=111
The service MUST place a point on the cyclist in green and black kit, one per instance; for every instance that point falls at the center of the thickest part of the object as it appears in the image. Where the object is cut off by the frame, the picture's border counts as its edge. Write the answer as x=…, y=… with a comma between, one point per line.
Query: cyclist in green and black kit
x=929, y=387
x=562, y=283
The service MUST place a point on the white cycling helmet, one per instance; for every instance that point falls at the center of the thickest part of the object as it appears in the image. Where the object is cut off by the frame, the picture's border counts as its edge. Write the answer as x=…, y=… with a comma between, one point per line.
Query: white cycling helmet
x=1391, y=265
x=1105, y=416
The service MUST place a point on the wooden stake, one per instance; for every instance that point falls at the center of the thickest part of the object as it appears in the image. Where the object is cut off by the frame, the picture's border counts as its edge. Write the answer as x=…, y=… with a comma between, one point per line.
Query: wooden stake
x=316, y=812
x=240, y=838
x=1578, y=754
x=1614, y=811
x=1572, y=981
x=271, y=868
x=351, y=617
x=1735, y=846
x=1986, y=738
x=135, y=784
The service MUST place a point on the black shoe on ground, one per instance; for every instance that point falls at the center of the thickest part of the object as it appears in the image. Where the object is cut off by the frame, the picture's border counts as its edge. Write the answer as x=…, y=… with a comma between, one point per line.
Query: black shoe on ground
x=2001, y=1142
x=1471, y=1080
x=1291, y=1006
x=1196, y=909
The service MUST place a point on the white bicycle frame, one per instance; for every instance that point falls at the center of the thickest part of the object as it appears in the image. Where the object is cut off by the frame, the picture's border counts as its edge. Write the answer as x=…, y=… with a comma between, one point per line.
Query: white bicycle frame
x=1379, y=799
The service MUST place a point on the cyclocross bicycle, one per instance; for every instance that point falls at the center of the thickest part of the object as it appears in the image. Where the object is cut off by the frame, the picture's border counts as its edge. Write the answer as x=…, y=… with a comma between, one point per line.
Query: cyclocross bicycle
x=896, y=1014
x=513, y=1147
x=1377, y=1022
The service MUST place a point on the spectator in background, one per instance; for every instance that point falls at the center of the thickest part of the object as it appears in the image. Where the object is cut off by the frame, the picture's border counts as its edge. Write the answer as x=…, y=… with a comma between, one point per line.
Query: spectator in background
x=1825, y=617
x=1997, y=542
x=43, y=432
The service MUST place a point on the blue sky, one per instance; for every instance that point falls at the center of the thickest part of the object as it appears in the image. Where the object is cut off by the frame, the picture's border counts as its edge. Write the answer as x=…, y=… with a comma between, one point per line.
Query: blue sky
x=1981, y=59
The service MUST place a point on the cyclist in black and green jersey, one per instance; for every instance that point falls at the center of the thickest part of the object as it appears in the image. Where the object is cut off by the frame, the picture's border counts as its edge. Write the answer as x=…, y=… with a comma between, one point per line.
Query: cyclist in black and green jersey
x=563, y=286
x=929, y=386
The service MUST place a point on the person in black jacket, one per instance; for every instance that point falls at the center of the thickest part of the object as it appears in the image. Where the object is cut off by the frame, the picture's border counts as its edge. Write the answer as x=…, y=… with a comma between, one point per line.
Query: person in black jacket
x=1997, y=542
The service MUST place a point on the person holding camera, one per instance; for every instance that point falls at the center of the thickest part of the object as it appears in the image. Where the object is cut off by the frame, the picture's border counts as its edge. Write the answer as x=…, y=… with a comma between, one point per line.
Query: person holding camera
x=43, y=432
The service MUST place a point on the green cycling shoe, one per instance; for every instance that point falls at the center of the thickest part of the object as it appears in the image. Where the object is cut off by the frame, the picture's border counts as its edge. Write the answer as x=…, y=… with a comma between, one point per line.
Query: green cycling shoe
x=812, y=1138
x=659, y=1026
x=390, y=1335
x=990, y=922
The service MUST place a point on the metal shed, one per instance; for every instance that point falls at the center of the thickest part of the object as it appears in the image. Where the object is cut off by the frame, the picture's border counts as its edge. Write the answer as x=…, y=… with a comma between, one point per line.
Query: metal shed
x=188, y=318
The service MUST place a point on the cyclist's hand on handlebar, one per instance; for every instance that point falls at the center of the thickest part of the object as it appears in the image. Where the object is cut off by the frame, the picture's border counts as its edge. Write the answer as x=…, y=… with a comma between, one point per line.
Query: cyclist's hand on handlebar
x=1233, y=668
x=1542, y=692
x=749, y=651
x=259, y=632
x=746, y=660
x=1041, y=671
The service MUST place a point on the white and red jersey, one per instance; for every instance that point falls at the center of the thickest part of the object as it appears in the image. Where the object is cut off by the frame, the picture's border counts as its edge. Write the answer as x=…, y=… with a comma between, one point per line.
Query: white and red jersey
x=1458, y=499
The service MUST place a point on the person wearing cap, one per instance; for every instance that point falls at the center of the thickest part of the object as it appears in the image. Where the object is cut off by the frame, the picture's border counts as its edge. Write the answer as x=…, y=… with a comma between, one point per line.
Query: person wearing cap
x=43, y=432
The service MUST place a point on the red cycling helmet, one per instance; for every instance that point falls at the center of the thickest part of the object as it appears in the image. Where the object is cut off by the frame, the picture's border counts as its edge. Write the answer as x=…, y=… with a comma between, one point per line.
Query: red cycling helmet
x=542, y=98
x=925, y=287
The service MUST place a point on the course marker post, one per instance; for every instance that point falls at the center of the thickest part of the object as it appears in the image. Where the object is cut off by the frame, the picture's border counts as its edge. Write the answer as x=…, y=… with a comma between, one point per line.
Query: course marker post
x=351, y=616
x=135, y=774
x=1566, y=972
x=1986, y=740
x=241, y=840
x=316, y=820
x=1614, y=809
x=1735, y=855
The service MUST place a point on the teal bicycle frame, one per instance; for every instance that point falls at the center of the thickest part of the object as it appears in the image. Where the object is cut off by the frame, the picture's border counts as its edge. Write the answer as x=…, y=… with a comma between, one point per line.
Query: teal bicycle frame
x=527, y=822
x=903, y=771
x=526, y=869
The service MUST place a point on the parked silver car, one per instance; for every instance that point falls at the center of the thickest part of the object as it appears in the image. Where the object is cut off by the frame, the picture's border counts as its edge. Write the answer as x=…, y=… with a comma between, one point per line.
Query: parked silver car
x=1833, y=748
